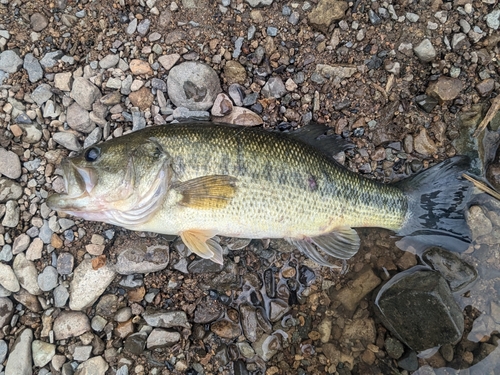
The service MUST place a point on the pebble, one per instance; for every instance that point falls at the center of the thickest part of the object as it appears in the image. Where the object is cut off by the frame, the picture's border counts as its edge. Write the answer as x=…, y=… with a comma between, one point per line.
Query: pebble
x=425, y=51
x=326, y=12
x=43, y=352
x=6, y=311
x=79, y=119
x=266, y=346
x=362, y=284
x=193, y=85
x=19, y=361
x=10, y=165
x=88, y=284
x=82, y=353
x=41, y=94
x=47, y=280
x=33, y=67
x=10, y=62
x=67, y=140
x=143, y=26
x=159, y=338
x=61, y=296
x=4, y=348
x=93, y=366
x=140, y=67
x=394, y=348
x=493, y=19
x=168, y=61
x=109, y=61
x=423, y=144
x=183, y=113
x=27, y=274
x=132, y=26
x=85, y=93
x=222, y=105
x=139, y=258
x=234, y=72
x=50, y=59
x=274, y=88
x=8, y=278
x=9, y=190
x=226, y=328
x=166, y=319
x=445, y=88
x=70, y=324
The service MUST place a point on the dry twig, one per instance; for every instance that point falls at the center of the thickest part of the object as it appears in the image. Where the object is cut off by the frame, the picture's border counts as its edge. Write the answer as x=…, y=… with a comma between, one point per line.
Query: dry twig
x=495, y=107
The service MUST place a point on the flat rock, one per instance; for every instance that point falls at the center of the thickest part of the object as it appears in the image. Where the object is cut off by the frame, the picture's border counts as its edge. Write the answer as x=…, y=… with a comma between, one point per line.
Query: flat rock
x=445, y=88
x=10, y=165
x=63, y=81
x=27, y=274
x=418, y=308
x=19, y=361
x=41, y=94
x=88, y=284
x=70, y=324
x=136, y=257
x=33, y=67
x=226, y=329
x=38, y=21
x=168, y=61
x=241, y=116
x=425, y=51
x=259, y=3
x=166, y=319
x=47, y=280
x=274, y=88
x=109, y=61
x=326, y=12
x=193, y=85
x=67, y=140
x=8, y=278
x=424, y=144
x=362, y=284
x=9, y=190
x=43, y=352
x=159, y=338
x=10, y=62
x=92, y=366
x=84, y=92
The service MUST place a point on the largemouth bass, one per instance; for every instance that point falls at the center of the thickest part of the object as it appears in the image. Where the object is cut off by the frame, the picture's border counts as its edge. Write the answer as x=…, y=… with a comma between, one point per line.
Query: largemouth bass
x=199, y=180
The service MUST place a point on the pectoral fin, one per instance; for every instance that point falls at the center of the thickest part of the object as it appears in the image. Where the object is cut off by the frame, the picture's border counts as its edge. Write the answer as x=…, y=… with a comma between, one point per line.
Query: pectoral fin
x=343, y=243
x=201, y=243
x=207, y=192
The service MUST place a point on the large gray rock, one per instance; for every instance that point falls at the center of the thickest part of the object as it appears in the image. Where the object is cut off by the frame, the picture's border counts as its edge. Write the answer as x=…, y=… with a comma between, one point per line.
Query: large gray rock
x=27, y=274
x=19, y=362
x=79, y=119
x=8, y=278
x=193, y=85
x=10, y=62
x=136, y=257
x=70, y=324
x=418, y=308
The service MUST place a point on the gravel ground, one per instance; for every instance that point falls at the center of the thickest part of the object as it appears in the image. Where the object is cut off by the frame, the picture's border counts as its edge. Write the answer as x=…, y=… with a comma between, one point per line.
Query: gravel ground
x=407, y=82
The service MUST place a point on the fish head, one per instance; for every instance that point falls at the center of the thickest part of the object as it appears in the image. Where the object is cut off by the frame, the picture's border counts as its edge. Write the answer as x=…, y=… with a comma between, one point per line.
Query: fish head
x=120, y=182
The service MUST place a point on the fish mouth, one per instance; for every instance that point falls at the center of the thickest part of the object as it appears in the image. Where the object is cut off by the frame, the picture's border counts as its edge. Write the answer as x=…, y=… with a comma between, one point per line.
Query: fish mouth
x=78, y=184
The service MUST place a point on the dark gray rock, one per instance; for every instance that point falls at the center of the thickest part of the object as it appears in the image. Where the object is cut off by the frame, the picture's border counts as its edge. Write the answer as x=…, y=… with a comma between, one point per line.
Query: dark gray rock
x=417, y=307
x=51, y=58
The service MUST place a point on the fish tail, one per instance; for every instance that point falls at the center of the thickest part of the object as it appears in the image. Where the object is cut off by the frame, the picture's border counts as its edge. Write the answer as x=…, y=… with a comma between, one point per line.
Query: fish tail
x=438, y=199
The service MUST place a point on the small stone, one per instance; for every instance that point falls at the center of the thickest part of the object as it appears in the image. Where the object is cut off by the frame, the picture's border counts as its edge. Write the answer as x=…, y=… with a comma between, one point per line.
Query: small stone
x=11, y=216
x=43, y=352
x=168, y=61
x=41, y=94
x=159, y=338
x=445, y=88
x=10, y=165
x=423, y=144
x=266, y=346
x=226, y=329
x=143, y=98
x=143, y=26
x=222, y=105
x=182, y=113
x=234, y=72
x=21, y=243
x=70, y=324
x=394, y=348
x=67, y=140
x=425, y=51
x=10, y=62
x=363, y=283
x=6, y=311
x=93, y=366
x=485, y=87
x=27, y=274
x=50, y=59
x=47, y=280
x=82, y=353
x=159, y=84
x=61, y=296
x=137, y=257
x=326, y=12
x=19, y=361
x=139, y=67
x=274, y=88
x=493, y=19
x=88, y=284
x=109, y=61
x=132, y=26
x=85, y=93
x=166, y=319
x=33, y=67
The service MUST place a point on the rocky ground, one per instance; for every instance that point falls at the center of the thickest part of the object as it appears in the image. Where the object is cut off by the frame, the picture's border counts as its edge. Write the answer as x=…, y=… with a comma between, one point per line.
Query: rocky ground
x=406, y=82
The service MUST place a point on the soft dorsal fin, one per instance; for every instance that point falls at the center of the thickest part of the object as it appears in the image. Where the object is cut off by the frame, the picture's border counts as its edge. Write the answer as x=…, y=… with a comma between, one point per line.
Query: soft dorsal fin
x=207, y=192
x=321, y=138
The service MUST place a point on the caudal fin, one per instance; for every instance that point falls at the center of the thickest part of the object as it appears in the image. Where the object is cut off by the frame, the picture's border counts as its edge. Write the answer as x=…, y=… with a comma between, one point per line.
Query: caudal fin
x=437, y=202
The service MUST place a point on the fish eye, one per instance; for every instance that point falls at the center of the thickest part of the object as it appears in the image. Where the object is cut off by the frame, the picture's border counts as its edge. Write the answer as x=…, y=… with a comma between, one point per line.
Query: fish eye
x=92, y=154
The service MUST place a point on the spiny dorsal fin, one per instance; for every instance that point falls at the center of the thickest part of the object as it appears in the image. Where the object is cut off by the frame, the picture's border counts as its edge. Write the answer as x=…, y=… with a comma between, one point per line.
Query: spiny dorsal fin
x=207, y=192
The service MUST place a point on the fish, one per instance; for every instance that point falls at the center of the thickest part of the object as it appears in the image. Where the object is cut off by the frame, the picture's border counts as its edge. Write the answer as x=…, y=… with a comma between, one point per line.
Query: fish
x=201, y=180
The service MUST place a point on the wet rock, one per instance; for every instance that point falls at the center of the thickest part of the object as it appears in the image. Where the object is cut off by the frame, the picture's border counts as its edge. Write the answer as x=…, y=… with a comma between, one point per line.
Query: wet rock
x=193, y=85
x=234, y=72
x=417, y=307
x=363, y=283
x=201, y=265
x=478, y=222
x=166, y=319
x=10, y=165
x=19, y=361
x=43, y=352
x=27, y=274
x=84, y=92
x=92, y=366
x=445, y=88
x=277, y=309
x=160, y=338
x=241, y=116
x=88, y=284
x=249, y=323
x=326, y=12
x=457, y=272
x=70, y=324
x=226, y=329
x=6, y=311
x=8, y=278
x=139, y=258
x=142, y=98
x=33, y=67
x=222, y=105
x=274, y=88
x=425, y=51
x=10, y=62
x=9, y=190
x=266, y=346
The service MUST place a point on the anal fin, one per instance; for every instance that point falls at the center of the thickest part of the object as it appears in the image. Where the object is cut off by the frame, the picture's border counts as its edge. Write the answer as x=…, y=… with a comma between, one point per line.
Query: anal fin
x=342, y=243
x=201, y=243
